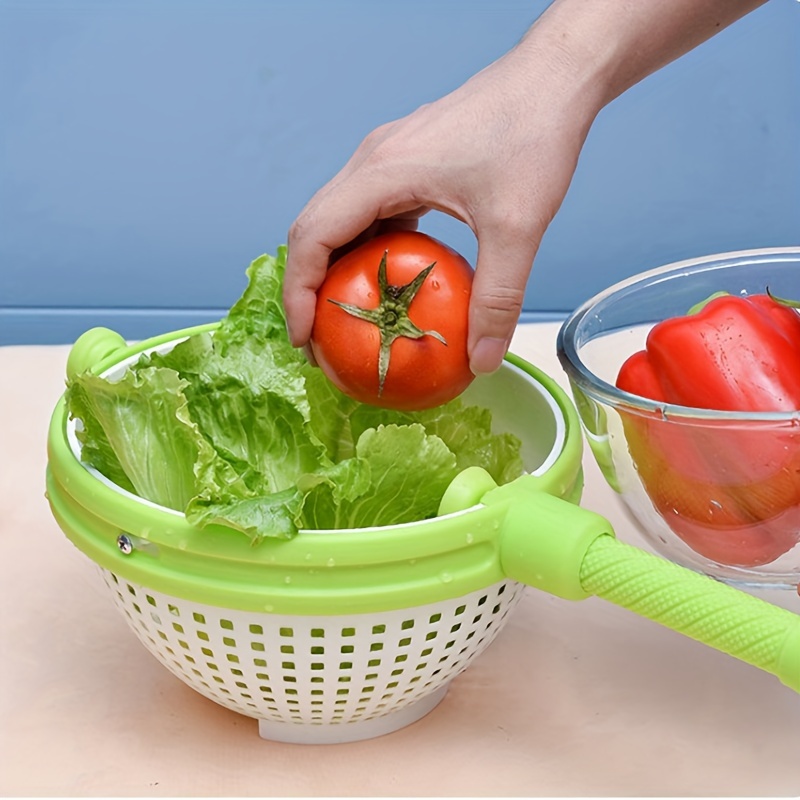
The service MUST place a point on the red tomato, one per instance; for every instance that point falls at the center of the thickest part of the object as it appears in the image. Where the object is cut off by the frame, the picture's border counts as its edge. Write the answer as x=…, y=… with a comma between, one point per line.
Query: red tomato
x=403, y=344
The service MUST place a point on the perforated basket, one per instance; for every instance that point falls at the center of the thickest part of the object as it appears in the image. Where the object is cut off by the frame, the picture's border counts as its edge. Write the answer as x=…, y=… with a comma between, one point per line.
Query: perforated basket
x=334, y=636
x=318, y=679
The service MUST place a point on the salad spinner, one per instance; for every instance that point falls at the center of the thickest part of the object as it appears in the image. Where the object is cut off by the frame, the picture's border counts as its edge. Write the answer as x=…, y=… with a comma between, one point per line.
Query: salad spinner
x=335, y=636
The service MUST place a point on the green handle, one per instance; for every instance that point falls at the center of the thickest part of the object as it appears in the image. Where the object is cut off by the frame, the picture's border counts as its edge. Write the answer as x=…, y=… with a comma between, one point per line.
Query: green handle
x=718, y=615
x=572, y=553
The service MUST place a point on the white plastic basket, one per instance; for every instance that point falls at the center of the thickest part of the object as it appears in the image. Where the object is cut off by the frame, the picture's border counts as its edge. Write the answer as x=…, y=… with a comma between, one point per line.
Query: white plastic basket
x=318, y=680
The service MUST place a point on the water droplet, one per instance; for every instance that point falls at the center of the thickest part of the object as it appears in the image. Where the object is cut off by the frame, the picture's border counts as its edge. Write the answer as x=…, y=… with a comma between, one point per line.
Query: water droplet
x=183, y=544
x=308, y=556
x=287, y=579
x=434, y=284
x=470, y=538
x=269, y=608
x=446, y=577
x=331, y=562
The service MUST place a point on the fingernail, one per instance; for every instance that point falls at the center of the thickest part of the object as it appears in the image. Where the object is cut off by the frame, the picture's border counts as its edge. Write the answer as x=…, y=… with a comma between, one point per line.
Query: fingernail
x=487, y=355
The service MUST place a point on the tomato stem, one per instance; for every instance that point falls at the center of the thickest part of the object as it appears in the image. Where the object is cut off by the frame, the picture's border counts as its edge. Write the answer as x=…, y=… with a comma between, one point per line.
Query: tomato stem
x=390, y=316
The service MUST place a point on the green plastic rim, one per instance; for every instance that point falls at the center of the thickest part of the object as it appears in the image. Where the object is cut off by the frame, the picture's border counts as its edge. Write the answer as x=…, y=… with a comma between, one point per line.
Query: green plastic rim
x=316, y=573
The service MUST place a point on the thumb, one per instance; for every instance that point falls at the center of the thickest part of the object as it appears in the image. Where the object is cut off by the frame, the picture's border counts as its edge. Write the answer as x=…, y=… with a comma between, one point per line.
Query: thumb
x=498, y=290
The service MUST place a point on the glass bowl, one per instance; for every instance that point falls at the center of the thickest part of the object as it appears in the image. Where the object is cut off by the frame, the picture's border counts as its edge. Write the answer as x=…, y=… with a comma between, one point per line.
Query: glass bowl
x=715, y=491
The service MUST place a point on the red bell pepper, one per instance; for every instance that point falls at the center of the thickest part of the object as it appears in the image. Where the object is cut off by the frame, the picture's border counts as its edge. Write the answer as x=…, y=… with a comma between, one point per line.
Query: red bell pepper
x=729, y=489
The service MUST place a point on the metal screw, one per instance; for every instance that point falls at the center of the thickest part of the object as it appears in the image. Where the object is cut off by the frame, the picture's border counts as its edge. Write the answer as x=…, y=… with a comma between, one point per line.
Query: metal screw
x=125, y=544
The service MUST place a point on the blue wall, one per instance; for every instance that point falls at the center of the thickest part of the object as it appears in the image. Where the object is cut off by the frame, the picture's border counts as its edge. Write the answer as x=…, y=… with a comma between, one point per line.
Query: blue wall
x=150, y=149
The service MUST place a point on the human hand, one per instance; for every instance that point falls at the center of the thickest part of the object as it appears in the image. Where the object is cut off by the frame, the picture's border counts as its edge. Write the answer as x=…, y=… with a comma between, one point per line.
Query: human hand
x=497, y=154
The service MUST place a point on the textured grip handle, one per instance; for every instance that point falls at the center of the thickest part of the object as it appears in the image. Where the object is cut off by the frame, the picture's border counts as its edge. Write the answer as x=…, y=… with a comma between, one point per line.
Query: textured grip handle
x=720, y=616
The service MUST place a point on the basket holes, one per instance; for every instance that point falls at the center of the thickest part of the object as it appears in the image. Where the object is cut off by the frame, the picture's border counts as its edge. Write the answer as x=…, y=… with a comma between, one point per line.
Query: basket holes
x=237, y=672
x=228, y=642
x=317, y=679
x=212, y=665
x=470, y=635
x=406, y=624
x=265, y=689
x=434, y=618
x=292, y=693
x=396, y=672
x=287, y=665
x=258, y=646
x=162, y=635
x=375, y=647
x=217, y=678
x=449, y=644
x=367, y=690
x=392, y=685
x=404, y=642
x=482, y=600
x=340, y=703
x=476, y=619
x=318, y=633
x=317, y=665
x=501, y=590
x=289, y=679
x=426, y=652
x=234, y=659
x=202, y=635
x=259, y=662
x=241, y=685
x=190, y=659
x=197, y=672
x=399, y=659
x=372, y=676
x=348, y=631
x=346, y=648
x=317, y=692
x=262, y=676
x=257, y=629
x=416, y=678
x=286, y=632
x=138, y=610
x=374, y=662
x=183, y=644
x=317, y=651
x=177, y=627
x=376, y=629
x=206, y=651
x=150, y=599
x=167, y=649
x=287, y=648
x=131, y=590
x=114, y=577
x=226, y=624
x=455, y=627
x=421, y=665
x=344, y=679
x=174, y=610
x=496, y=609
x=431, y=635
x=199, y=618
x=460, y=610
x=342, y=691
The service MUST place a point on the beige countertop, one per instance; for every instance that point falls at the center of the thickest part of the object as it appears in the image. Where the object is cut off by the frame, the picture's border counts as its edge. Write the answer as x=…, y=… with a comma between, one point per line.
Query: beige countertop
x=571, y=699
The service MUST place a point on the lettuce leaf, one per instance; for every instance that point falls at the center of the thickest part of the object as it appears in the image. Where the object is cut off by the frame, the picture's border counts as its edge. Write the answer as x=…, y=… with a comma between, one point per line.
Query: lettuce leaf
x=237, y=429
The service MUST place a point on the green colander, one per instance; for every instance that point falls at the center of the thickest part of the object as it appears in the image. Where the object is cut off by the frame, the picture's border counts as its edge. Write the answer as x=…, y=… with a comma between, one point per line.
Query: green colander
x=342, y=635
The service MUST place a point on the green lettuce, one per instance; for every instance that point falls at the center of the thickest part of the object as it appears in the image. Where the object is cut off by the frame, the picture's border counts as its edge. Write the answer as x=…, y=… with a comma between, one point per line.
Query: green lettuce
x=235, y=428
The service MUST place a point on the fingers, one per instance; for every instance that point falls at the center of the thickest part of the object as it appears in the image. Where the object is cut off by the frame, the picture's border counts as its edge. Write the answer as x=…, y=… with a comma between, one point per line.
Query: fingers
x=321, y=228
x=505, y=258
x=341, y=216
